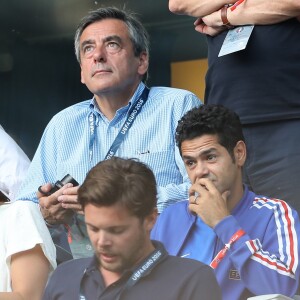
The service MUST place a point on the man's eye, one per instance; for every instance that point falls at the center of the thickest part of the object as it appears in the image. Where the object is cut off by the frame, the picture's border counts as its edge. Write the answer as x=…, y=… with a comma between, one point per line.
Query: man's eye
x=211, y=157
x=189, y=163
x=93, y=229
x=116, y=230
x=87, y=49
x=113, y=47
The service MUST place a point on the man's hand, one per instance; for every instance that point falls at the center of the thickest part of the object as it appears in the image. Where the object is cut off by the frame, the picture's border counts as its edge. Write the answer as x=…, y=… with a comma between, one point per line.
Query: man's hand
x=206, y=26
x=69, y=199
x=207, y=202
x=52, y=210
x=256, y=12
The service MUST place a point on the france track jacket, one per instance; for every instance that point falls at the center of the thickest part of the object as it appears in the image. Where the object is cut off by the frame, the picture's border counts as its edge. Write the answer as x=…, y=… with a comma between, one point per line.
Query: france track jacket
x=263, y=261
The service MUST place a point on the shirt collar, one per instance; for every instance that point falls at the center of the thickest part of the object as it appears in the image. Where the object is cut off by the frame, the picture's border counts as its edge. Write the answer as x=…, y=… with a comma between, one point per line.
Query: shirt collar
x=243, y=203
x=94, y=107
x=94, y=263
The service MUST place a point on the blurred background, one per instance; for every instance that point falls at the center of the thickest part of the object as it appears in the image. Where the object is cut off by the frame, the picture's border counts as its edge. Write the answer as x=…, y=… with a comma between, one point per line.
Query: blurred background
x=39, y=74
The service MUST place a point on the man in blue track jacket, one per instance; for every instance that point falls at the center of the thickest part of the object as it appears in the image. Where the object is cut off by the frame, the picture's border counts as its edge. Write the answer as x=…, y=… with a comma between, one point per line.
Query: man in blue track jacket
x=250, y=240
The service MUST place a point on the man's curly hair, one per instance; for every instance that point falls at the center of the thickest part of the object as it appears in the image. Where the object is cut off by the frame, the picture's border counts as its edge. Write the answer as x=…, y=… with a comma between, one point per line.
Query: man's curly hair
x=211, y=119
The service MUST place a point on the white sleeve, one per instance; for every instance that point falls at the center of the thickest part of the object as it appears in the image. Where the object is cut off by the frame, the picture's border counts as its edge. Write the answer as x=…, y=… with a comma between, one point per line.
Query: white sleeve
x=13, y=165
x=24, y=229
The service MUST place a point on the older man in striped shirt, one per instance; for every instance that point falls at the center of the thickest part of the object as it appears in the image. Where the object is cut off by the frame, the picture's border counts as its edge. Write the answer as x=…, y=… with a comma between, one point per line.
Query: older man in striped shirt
x=124, y=118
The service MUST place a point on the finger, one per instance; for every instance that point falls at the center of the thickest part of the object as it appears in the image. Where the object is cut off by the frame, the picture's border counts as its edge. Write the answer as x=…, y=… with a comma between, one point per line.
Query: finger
x=197, y=188
x=76, y=207
x=192, y=190
x=194, y=208
x=49, y=212
x=207, y=184
x=226, y=195
x=214, y=19
x=202, y=28
x=47, y=201
x=194, y=198
x=43, y=189
x=70, y=189
x=71, y=199
x=212, y=31
x=198, y=22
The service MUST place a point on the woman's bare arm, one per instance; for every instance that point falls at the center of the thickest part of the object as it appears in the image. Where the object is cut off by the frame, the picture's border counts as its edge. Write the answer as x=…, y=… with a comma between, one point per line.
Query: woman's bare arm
x=29, y=274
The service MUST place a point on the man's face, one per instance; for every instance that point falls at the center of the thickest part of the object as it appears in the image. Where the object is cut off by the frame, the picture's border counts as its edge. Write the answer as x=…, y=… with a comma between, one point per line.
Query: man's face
x=108, y=63
x=204, y=157
x=120, y=240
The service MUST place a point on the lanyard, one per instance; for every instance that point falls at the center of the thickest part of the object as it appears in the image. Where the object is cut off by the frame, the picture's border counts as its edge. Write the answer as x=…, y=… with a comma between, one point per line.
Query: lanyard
x=142, y=270
x=131, y=116
x=214, y=264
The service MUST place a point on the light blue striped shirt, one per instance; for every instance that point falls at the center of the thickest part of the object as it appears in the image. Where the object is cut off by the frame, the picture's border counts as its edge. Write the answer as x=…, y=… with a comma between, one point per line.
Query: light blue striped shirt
x=64, y=146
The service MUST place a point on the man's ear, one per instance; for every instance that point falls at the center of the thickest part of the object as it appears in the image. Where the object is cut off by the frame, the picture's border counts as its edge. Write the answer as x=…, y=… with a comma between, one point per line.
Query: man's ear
x=81, y=78
x=240, y=153
x=151, y=219
x=143, y=63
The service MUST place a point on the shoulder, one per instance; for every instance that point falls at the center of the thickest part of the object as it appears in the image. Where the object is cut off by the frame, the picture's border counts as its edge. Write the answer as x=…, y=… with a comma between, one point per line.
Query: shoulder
x=64, y=282
x=71, y=268
x=70, y=113
x=5, y=138
x=278, y=210
x=176, y=210
x=173, y=94
x=24, y=208
x=194, y=275
x=271, y=204
x=186, y=264
x=64, y=121
x=175, y=216
x=164, y=90
x=24, y=216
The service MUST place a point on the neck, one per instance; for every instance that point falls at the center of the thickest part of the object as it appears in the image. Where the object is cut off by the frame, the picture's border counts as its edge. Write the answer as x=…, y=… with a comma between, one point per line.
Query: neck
x=111, y=277
x=235, y=196
x=109, y=102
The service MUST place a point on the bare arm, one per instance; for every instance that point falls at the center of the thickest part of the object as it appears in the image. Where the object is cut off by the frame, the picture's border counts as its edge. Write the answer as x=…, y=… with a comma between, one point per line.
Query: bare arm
x=258, y=12
x=196, y=8
x=263, y=12
x=29, y=274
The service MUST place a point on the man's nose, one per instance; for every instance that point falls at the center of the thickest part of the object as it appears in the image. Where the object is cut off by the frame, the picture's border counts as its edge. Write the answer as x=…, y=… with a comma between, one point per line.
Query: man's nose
x=103, y=239
x=99, y=53
x=202, y=170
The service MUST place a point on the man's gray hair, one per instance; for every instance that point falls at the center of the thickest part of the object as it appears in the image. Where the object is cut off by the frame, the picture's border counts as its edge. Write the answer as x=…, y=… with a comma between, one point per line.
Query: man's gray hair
x=137, y=32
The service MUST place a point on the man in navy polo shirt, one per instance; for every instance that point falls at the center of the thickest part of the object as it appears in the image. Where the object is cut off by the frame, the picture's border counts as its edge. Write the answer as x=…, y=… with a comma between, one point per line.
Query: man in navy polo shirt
x=119, y=201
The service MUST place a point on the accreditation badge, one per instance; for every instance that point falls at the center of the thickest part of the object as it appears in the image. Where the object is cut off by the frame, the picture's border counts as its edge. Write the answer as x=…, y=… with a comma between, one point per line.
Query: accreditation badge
x=236, y=39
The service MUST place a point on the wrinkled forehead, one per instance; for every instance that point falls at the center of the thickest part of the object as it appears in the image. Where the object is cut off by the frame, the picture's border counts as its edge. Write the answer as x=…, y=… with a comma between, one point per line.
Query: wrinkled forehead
x=104, y=28
x=201, y=142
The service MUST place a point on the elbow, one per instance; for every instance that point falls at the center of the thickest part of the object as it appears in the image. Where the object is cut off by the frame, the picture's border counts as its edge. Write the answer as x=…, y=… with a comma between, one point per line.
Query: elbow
x=175, y=6
x=179, y=7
